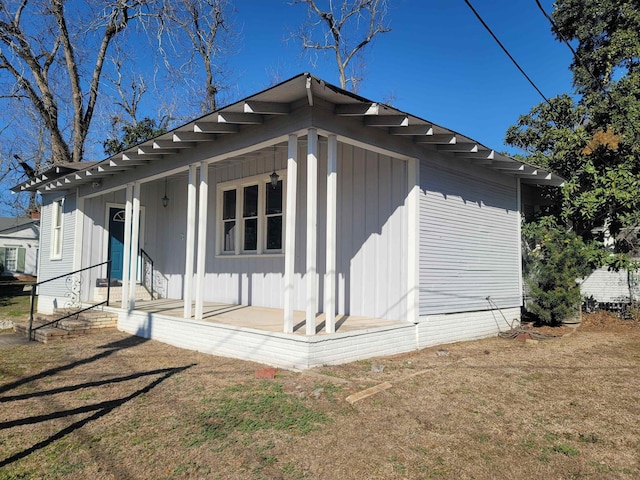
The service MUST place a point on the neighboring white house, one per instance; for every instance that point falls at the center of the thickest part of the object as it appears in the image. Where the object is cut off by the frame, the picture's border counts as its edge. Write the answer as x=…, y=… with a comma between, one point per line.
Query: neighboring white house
x=610, y=288
x=19, y=239
x=307, y=200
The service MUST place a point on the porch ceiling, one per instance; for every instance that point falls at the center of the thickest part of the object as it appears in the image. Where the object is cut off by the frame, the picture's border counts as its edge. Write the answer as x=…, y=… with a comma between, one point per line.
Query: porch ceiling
x=280, y=100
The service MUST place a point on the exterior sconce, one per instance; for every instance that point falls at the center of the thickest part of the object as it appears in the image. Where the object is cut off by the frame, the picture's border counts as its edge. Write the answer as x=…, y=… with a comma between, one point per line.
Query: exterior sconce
x=165, y=199
x=274, y=176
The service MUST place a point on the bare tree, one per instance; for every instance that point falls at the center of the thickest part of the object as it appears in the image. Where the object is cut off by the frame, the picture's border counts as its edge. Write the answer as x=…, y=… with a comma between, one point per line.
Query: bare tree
x=204, y=30
x=23, y=157
x=46, y=63
x=346, y=28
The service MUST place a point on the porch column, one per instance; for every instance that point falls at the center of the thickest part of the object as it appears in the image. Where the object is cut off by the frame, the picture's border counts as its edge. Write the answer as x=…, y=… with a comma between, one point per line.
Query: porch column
x=78, y=231
x=126, y=261
x=190, y=241
x=202, y=237
x=330, y=274
x=413, y=243
x=290, y=232
x=312, y=229
x=135, y=238
x=519, y=239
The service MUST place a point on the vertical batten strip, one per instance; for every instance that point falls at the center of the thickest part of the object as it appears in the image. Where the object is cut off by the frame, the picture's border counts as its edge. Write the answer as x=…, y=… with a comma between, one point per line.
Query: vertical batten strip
x=312, y=230
x=190, y=241
x=126, y=261
x=202, y=237
x=290, y=233
x=413, y=244
x=135, y=237
x=330, y=274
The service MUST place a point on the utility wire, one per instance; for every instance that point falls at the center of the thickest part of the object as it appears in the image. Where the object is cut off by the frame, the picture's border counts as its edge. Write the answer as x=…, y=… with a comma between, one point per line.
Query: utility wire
x=509, y=55
x=578, y=60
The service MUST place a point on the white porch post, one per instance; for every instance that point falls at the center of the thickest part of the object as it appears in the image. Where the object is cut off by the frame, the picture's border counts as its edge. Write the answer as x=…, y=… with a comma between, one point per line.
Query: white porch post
x=77, y=240
x=413, y=240
x=312, y=229
x=190, y=241
x=202, y=237
x=135, y=237
x=519, y=239
x=78, y=233
x=126, y=261
x=290, y=232
x=330, y=274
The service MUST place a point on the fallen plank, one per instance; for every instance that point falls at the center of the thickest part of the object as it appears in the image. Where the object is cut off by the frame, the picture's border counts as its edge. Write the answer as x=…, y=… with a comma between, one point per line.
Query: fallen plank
x=367, y=392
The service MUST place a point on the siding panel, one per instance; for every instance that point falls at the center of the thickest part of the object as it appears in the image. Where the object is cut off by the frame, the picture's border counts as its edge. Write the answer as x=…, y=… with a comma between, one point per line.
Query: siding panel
x=49, y=268
x=468, y=240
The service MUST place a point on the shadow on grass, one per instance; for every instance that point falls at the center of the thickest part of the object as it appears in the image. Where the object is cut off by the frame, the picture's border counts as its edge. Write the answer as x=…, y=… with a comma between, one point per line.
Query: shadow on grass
x=101, y=409
x=113, y=347
x=73, y=388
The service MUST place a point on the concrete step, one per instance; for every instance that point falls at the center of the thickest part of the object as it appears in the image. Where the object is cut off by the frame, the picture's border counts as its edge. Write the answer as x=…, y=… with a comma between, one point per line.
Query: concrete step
x=90, y=321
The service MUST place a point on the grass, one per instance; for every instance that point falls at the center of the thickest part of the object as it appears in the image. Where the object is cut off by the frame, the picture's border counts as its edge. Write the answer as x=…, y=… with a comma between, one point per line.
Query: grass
x=112, y=406
x=14, y=303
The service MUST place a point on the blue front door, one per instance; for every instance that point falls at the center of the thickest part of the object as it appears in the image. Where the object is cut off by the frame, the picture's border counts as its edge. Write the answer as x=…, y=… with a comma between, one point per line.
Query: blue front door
x=116, y=241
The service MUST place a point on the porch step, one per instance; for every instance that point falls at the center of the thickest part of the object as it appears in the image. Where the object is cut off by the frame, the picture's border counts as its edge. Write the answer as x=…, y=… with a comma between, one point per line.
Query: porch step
x=91, y=321
x=115, y=295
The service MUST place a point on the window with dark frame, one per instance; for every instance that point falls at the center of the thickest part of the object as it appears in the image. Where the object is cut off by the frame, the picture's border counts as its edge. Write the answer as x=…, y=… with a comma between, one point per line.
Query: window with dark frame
x=229, y=220
x=259, y=228
x=250, y=218
x=273, y=213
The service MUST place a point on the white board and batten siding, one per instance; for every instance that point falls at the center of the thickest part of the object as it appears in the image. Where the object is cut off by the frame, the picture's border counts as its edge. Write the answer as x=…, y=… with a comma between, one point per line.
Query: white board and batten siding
x=469, y=252
x=56, y=293
x=371, y=235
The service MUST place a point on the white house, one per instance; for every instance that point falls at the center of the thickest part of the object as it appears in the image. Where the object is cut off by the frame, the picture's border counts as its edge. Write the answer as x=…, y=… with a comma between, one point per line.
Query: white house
x=19, y=239
x=303, y=225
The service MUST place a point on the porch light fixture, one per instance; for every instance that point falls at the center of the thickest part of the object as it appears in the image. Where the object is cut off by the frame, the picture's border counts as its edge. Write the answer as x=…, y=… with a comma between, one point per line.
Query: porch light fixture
x=274, y=176
x=165, y=199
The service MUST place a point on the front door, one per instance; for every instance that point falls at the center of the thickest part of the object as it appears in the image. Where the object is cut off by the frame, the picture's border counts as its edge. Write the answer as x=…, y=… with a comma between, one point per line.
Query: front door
x=116, y=241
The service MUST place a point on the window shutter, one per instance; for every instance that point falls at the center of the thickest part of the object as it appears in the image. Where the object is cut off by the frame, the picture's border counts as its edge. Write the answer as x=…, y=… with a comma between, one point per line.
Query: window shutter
x=22, y=253
x=2, y=250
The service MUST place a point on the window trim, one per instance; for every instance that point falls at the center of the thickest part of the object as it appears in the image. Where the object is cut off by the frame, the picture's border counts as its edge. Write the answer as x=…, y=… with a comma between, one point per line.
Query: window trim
x=57, y=230
x=238, y=185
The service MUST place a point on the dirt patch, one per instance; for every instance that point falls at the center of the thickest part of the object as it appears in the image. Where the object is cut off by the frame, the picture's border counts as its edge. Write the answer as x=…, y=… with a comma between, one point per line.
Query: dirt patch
x=114, y=406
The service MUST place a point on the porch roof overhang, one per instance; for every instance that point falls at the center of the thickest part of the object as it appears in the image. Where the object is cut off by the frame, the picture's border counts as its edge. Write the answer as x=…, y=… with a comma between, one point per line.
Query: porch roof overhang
x=285, y=99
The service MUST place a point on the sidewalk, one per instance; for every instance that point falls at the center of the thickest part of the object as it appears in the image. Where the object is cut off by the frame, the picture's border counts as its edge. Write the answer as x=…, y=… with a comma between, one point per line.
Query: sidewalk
x=10, y=339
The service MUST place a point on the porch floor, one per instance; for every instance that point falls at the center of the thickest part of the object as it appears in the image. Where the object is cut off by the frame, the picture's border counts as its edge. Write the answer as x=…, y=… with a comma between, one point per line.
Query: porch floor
x=259, y=318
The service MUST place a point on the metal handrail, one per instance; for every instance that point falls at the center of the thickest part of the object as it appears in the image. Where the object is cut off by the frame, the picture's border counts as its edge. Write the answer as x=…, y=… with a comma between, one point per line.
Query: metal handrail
x=35, y=285
x=148, y=257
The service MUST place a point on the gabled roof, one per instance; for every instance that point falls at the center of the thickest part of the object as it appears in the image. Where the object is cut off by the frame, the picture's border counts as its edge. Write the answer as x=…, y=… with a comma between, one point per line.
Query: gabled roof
x=280, y=100
x=15, y=223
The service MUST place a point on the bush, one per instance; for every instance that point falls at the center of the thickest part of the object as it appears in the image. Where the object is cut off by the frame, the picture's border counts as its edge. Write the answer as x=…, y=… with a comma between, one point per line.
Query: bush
x=555, y=260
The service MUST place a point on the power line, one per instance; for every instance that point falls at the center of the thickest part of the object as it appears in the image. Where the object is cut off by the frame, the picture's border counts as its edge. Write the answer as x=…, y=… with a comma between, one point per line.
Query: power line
x=504, y=49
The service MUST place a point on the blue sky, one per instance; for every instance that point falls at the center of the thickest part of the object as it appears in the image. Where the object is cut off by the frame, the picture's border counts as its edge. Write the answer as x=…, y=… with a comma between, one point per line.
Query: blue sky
x=438, y=62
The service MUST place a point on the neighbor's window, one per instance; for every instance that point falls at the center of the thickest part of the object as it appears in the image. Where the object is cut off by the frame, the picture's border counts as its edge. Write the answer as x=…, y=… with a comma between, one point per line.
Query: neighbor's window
x=260, y=225
x=11, y=259
x=56, y=229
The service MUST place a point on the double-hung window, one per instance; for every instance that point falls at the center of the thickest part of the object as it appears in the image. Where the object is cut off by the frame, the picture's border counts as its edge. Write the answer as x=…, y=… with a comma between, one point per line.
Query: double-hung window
x=56, y=229
x=251, y=217
x=11, y=259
